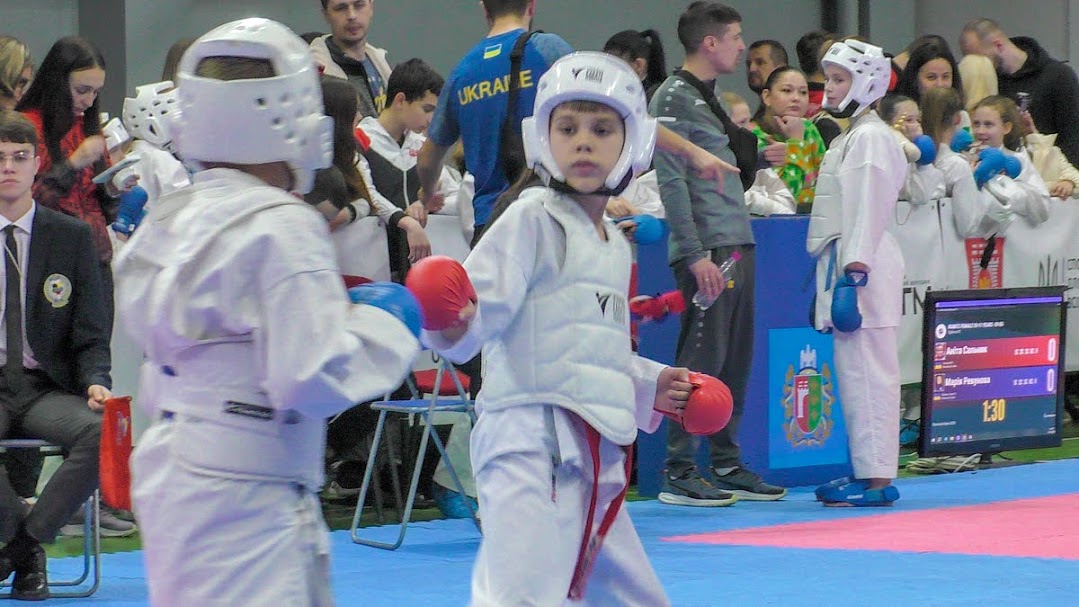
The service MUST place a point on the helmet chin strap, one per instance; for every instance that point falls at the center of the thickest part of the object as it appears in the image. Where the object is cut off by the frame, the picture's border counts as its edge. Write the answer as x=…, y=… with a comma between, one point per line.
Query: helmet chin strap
x=852, y=108
x=564, y=188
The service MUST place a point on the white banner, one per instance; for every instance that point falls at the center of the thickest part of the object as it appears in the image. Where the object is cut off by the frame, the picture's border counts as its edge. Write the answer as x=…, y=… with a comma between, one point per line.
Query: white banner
x=918, y=231
x=937, y=258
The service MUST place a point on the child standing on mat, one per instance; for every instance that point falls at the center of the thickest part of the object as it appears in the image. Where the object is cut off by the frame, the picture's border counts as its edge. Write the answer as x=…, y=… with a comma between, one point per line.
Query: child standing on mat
x=219, y=287
x=563, y=393
x=860, y=270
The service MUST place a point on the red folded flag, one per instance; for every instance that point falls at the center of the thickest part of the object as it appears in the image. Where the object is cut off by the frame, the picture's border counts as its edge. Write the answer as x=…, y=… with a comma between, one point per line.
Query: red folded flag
x=116, y=453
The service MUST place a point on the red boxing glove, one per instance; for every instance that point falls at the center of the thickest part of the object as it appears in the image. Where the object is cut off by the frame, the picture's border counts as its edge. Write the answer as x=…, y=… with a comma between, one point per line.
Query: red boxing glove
x=709, y=407
x=443, y=289
x=658, y=307
x=674, y=302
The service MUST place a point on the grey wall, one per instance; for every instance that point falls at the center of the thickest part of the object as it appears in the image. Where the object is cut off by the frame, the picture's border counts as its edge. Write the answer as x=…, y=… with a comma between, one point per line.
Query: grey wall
x=1045, y=20
x=135, y=34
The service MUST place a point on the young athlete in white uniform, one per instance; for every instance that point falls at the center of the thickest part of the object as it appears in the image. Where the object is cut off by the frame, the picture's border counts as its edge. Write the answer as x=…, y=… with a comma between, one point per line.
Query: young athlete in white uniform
x=860, y=270
x=232, y=290
x=563, y=393
x=147, y=117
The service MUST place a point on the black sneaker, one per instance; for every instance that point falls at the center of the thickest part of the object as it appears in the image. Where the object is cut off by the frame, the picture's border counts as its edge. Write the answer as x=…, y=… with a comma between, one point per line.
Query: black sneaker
x=748, y=485
x=692, y=489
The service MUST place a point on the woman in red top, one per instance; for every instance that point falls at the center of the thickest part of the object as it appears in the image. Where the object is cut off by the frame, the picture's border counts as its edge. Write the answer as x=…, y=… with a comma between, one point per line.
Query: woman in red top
x=62, y=102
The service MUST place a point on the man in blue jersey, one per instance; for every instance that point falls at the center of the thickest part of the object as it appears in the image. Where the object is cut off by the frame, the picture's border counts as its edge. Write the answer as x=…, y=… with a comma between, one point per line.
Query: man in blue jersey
x=473, y=105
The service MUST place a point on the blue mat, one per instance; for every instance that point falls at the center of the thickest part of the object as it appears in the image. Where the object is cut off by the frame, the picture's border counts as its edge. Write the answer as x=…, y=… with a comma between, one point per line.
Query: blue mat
x=433, y=567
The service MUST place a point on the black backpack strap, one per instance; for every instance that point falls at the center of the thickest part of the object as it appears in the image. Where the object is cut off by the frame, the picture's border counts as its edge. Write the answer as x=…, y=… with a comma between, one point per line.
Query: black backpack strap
x=516, y=57
x=510, y=147
x=742, y=142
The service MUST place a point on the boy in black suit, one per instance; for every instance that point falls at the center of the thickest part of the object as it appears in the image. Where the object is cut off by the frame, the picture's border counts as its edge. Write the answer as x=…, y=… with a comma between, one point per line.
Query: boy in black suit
x=54, y=364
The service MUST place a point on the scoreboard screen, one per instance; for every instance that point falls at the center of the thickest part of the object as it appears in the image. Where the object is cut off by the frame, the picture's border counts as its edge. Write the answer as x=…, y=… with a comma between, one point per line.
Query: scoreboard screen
x=993, y=370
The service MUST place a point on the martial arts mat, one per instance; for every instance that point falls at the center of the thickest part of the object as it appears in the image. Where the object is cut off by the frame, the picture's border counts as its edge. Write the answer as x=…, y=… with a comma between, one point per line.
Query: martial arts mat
x=1007, y=537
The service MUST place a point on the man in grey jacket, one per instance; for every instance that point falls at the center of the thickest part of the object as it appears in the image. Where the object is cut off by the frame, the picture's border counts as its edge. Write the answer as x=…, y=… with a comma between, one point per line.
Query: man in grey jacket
x=707, y=228
x=346, y=53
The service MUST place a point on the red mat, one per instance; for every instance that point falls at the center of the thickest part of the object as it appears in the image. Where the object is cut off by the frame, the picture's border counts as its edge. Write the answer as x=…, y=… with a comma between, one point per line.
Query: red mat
x=1045, y=527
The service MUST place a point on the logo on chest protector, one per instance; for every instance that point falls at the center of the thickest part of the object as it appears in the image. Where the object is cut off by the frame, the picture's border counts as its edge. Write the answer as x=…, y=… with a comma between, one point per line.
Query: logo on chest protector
x=612, y=306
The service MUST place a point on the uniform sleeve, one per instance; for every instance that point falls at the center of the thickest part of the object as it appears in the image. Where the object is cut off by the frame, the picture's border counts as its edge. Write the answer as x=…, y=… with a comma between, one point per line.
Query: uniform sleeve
x=977, y=213
x=921, y=183
x=500, y=268
x=644, y=194
x=384, y=209
x=769, y=195
x=671, y=174
x=1025, y=195
x=322, y=354
x=645, y=375
x=871, y=174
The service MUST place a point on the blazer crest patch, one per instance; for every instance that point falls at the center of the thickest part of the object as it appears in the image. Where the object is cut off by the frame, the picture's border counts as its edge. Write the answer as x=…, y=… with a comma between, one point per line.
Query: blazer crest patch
x=58, y=290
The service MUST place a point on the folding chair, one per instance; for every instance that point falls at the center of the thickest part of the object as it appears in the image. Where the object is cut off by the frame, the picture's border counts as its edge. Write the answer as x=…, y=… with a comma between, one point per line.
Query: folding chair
x=425, y=408
x=91, y=546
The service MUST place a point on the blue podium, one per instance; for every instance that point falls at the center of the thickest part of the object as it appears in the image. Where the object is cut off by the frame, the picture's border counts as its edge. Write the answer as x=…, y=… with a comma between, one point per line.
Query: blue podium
x=792, y=432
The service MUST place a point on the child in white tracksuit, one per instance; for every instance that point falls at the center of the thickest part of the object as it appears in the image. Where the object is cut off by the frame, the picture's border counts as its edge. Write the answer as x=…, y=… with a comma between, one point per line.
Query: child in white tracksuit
x=562, y=391
x=231, y=290
x=856, y=196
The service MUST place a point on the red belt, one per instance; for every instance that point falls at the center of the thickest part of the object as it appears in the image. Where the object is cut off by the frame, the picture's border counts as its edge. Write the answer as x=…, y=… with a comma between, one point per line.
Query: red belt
x=591, y=544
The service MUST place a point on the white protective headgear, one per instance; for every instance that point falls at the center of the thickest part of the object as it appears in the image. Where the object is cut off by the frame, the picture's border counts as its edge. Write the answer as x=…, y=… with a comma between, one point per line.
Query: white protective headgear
x=258, y=120
x=602, y=78
x=870, y=73
x=148, y=114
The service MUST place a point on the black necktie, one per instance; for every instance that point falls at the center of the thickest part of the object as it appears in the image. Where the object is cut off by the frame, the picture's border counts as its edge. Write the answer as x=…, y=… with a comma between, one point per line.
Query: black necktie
x=13, y=312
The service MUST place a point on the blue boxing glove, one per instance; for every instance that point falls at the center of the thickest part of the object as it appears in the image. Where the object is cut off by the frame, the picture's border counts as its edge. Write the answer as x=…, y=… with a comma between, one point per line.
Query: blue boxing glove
x=845, y=314
x=130, y=211
x=649, y=230
x=990, y=164
x=393, y=298
x=1012, y=166
x=927, y=148
x=961, y=141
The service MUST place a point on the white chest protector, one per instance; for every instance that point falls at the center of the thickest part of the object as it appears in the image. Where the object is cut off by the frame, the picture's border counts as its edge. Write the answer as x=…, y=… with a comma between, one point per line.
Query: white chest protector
x=569, y=345
x=209, y=387
x=826, y=222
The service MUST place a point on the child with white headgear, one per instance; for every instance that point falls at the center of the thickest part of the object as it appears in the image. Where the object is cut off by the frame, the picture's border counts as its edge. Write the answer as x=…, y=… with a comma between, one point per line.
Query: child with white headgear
x=218, y=288
x=145, y=125
x=860, y=270
x=563, y=393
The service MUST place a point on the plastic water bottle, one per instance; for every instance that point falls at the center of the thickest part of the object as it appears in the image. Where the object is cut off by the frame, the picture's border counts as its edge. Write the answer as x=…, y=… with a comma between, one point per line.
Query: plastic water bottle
x=726, y=268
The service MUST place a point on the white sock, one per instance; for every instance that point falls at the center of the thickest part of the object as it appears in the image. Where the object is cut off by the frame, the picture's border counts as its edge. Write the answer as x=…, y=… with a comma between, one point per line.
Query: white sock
x=725, y=471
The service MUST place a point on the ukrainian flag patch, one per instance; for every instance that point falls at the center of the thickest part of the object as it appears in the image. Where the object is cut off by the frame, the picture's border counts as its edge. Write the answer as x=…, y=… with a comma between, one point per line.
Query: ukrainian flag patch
x=492, y=51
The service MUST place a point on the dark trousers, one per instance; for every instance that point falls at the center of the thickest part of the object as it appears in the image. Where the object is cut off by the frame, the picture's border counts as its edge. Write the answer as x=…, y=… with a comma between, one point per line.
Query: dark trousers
x=40, y=410
x=717, y=342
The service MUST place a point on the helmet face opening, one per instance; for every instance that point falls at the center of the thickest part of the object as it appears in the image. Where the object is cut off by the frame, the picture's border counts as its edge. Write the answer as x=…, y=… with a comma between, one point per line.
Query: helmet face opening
x=600, y=78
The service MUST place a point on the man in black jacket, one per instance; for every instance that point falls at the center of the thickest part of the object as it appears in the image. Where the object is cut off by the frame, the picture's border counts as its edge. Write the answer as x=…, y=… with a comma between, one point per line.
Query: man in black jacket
x=54, y=356
x=1023, y=66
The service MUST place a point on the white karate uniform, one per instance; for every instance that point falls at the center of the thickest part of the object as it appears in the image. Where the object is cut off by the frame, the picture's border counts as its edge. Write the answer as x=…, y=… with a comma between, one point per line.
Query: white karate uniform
x=160, y=173
x=231, y=289
x=553, y=323
x=859, y=184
